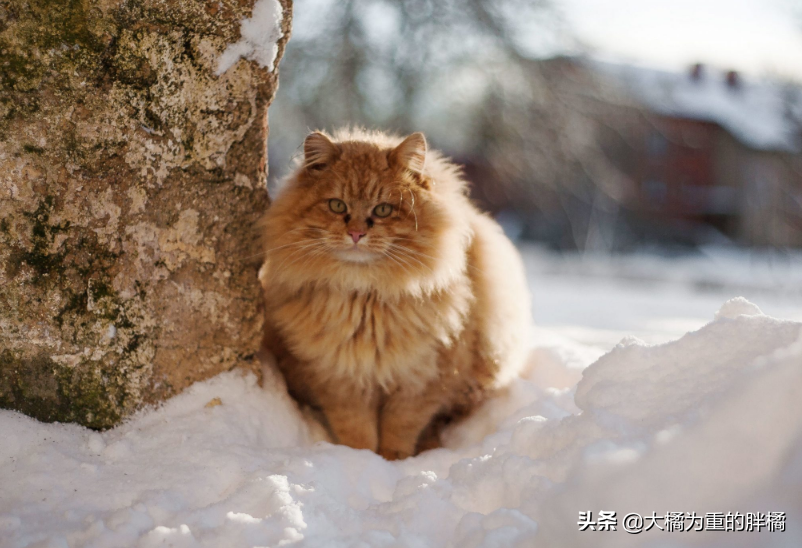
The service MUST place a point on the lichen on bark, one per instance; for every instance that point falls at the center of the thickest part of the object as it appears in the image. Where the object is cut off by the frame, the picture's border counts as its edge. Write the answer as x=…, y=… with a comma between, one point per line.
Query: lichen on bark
x=130, y=179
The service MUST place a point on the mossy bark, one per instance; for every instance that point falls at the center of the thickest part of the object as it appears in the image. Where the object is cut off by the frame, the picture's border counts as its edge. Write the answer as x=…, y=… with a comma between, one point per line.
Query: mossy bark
x=130, y=179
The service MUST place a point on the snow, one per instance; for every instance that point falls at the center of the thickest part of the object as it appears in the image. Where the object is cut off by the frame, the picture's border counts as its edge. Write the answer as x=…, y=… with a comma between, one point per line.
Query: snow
x=258, y=37
x=655, y=297
x=705, y=421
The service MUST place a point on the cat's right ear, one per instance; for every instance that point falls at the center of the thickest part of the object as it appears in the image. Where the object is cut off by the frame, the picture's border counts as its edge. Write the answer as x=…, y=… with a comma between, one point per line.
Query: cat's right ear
x=319, y=151
x=411, y=153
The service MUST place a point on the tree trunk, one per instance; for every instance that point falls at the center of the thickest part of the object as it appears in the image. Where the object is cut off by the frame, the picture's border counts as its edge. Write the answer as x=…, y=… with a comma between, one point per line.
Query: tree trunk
x=132, y=169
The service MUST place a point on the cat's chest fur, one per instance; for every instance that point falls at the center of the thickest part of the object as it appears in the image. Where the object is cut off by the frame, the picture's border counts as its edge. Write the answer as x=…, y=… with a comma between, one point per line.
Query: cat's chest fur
x=365, y=338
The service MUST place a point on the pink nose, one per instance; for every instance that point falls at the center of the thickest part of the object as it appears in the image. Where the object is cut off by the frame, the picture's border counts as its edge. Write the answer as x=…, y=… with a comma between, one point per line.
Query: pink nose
x=355, y=235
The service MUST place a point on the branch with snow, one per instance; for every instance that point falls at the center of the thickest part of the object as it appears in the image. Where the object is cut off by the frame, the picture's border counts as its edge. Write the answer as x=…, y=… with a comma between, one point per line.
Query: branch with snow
x=259, y=38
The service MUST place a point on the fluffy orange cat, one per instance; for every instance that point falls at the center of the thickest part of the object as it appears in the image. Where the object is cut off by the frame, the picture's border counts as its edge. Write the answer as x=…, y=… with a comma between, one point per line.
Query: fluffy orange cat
x=391, y=301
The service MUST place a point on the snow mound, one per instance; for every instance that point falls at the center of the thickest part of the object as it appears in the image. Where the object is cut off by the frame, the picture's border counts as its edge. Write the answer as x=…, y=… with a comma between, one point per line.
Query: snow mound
x=709, y=422
x=258, y=37
x=737, y=307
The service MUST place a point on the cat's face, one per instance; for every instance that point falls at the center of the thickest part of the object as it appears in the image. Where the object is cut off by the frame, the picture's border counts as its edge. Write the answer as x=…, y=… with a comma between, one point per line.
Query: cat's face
x=359, y=208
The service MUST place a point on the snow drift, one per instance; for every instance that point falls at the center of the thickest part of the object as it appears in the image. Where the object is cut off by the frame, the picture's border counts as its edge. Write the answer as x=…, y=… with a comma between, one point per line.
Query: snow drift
x=709, y=422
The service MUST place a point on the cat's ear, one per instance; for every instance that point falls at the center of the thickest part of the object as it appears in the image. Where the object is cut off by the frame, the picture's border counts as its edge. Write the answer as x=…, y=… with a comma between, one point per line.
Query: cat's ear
x=411, y=153
x=319, y=151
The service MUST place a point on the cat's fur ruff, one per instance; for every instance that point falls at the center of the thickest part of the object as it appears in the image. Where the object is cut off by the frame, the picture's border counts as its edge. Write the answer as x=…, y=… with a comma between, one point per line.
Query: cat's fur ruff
x=423, y=324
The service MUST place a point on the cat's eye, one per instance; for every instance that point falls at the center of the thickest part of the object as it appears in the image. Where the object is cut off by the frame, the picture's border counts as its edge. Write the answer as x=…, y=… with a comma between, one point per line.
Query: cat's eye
x=337, y=206
x=382, y=210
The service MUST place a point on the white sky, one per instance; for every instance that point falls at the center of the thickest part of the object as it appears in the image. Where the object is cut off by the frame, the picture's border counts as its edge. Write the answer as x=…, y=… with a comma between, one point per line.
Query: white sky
x=754, y=36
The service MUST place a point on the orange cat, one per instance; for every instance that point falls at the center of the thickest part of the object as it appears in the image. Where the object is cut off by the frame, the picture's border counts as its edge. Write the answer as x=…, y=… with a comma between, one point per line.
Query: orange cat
x=390, y=299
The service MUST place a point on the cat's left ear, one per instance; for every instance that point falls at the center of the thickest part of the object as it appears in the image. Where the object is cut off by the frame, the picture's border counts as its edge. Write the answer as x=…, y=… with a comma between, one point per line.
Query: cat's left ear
x=411, y=153
x=319, y=151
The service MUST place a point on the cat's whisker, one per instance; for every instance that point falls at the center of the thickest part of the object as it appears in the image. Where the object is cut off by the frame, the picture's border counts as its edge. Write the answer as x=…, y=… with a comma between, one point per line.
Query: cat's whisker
x=271, y=250
x=407, y=253
x=316, y=243
x=416, y=252
x=403, y=258
x=413, y=251
x=304, y=258
x=412, y=208
x=387, y=253
x=390, y=256
x=266, y=252
x=302, y=245
x=309, y=255
x=287, y=258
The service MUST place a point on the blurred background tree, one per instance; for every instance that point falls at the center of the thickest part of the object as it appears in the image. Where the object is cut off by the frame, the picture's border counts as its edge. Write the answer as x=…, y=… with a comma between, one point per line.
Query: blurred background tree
x=560, y=147
x=479, y=77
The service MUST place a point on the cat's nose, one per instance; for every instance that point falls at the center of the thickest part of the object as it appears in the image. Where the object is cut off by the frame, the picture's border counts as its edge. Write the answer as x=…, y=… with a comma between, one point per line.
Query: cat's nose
x=356, y=235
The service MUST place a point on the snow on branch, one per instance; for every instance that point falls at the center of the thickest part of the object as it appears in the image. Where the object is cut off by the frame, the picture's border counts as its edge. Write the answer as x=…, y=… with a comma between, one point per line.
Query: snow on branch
x=259, y=36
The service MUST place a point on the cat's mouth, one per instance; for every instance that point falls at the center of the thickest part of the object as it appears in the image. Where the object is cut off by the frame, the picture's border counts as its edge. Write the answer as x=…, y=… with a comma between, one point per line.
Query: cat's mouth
x=356, y=254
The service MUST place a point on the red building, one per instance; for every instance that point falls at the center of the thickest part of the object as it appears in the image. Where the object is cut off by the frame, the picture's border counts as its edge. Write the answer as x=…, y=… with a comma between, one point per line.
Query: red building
x=711, y=149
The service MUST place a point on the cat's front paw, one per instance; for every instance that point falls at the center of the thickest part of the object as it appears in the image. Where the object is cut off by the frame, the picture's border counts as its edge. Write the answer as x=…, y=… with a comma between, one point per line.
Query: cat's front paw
x=396, y=447
x=359, y=440
x=394, y=454
x=395, y=442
